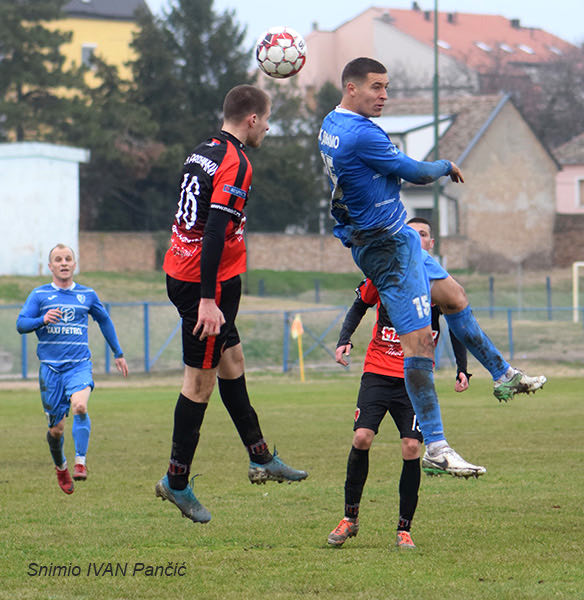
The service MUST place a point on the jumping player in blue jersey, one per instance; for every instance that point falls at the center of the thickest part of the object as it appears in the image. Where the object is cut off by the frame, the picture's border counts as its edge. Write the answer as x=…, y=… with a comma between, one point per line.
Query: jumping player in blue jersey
x=58, y=313
x=365, y=170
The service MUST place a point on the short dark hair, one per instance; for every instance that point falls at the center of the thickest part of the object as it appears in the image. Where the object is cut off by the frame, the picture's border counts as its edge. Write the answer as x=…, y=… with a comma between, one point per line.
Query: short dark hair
x=358, y=69
x=421, y=220
x=244, y=100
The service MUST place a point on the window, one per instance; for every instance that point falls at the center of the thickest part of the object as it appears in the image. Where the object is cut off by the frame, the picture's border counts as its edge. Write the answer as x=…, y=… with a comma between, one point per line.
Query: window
x=87, y=52
x=506, y=48
x=424, y=213
x=443, y=44
x=526, y=49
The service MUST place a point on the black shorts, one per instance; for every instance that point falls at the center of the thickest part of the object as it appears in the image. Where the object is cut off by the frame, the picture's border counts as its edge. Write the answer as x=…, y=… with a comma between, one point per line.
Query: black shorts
x=379, y=394
x=185, y=295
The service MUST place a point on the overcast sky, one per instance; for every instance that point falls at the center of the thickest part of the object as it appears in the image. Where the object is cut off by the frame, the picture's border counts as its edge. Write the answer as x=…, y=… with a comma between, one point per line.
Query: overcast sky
x=564, y=18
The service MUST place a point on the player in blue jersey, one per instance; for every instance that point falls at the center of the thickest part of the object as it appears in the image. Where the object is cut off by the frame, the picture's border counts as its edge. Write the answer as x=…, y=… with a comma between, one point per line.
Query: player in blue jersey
x=58, y=313
x=365, y=170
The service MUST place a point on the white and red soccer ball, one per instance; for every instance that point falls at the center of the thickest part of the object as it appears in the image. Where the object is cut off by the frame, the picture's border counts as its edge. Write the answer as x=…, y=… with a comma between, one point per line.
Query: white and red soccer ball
x=281, y=52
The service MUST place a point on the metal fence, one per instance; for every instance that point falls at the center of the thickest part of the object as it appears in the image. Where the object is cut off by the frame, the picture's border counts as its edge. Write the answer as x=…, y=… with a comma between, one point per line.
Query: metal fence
x=149, y=333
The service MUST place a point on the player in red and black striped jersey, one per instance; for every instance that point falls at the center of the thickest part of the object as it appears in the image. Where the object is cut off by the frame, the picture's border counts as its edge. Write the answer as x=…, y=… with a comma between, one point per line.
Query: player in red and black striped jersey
x=383, y=390
x=203, y=267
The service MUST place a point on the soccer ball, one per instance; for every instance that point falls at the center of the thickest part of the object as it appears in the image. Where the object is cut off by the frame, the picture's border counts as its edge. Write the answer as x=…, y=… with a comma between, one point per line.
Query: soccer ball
x=281, y=52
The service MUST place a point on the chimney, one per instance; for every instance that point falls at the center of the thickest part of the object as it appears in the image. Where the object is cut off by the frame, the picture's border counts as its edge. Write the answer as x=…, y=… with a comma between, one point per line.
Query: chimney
x=415, y=6
x=452, y=18
x=427, y=15
x=515, y=24
x=386, y=17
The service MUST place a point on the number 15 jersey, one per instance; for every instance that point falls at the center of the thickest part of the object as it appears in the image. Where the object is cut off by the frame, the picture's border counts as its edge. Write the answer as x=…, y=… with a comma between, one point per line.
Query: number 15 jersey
x=217, y=175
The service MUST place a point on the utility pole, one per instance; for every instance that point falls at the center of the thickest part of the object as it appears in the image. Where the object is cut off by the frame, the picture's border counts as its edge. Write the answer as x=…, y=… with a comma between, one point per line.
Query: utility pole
x=436, y=185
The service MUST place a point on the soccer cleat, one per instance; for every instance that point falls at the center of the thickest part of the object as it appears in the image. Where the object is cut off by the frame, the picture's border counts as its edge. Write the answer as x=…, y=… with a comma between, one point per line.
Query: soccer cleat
x=344, y=530
x=185, y=500
x=79, y=472
x=447, y=461
x=403, y=539
x=65, y=481
x=520, y=383
x=275, y=470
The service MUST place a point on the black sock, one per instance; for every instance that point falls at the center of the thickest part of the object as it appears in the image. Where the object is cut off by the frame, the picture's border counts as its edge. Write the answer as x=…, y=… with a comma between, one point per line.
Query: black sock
x=357, y=470
x=234, y=395
x=188, y=417
x=409, y=484
x=56, y=449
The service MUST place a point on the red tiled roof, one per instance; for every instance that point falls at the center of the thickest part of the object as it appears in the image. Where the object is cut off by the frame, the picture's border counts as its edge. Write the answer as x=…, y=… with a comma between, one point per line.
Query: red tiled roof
x=463, y=31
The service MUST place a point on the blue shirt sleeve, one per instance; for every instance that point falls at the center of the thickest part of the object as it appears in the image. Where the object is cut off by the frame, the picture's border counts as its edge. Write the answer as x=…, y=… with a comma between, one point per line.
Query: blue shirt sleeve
x=381, y=154
x=101, y=316
x=29, y=318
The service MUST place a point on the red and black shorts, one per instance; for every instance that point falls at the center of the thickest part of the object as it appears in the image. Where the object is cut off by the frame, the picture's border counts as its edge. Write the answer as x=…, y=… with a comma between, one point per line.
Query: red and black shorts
x=185, y=295
x=380, y=394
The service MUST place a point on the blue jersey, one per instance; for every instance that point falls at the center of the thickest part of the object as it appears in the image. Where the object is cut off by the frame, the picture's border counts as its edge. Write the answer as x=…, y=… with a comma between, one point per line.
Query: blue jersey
x=64, y=344
x=365, y=170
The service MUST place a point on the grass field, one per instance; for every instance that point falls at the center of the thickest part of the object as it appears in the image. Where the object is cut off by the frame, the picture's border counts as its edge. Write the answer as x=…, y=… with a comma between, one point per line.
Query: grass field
x=515, y=533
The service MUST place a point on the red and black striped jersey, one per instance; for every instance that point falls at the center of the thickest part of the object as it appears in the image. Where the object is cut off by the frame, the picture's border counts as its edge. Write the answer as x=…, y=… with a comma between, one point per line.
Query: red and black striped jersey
x=217, y=175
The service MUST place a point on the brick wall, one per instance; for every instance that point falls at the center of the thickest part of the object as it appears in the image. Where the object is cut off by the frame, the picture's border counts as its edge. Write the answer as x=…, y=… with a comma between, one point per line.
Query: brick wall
x=117, y=251
x=129, y=251
x=568, y=236
x=283, y=252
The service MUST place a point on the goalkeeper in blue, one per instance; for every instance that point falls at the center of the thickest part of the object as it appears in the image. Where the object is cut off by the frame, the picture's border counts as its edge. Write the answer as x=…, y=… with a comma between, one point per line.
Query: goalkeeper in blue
x=365, y=170
x=58, y=313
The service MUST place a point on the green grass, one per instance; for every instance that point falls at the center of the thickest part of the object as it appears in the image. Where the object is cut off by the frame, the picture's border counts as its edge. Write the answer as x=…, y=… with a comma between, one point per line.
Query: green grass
x=510, y=290
x=515, y=533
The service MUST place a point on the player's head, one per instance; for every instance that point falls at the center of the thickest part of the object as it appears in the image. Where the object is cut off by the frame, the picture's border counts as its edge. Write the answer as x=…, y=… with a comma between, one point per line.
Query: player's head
x=62, y=263
x=364, y=82
x=247, y=109
x=424, y=228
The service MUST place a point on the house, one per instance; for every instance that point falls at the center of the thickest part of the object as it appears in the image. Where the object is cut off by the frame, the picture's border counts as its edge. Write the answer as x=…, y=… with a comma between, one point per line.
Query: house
x=569, y=226
x=102, y=27
x=503, y=215
x=472, y=47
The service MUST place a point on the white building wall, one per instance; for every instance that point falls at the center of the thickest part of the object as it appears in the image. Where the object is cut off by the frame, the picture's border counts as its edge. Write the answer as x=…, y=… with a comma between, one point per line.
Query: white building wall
x=39, y=204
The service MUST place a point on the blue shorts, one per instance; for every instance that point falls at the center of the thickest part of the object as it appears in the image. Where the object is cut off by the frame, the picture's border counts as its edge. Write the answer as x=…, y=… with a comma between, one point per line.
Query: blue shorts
x=433, y=268
x=58, y=386
x=396, y=266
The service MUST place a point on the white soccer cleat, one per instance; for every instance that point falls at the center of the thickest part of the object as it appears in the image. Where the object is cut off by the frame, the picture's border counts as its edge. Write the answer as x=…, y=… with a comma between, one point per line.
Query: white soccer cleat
x=447, y=461
x=520, y=383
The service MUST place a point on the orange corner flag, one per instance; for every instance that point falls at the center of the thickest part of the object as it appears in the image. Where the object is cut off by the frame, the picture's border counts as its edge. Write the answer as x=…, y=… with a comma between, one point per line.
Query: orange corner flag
x=296, y=328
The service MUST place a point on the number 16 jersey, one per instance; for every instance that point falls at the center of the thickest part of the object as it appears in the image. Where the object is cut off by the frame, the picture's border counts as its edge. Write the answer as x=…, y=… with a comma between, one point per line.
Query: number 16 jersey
x=217, y=175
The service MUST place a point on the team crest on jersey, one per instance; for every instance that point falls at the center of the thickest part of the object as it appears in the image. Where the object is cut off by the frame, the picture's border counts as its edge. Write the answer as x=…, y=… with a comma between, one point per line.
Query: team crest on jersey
x=67, y=314
x=357, y=413
x=81, y=298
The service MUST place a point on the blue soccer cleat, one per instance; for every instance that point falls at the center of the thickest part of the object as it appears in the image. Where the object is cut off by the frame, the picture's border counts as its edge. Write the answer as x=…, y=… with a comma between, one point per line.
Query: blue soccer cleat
x=275, y=470
x=185, y=500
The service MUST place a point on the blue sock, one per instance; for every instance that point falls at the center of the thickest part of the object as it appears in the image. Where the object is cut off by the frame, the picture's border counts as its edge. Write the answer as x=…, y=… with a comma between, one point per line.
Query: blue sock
x=419, y=379
x=56, y=448
x=465, y=327
x=81, y=430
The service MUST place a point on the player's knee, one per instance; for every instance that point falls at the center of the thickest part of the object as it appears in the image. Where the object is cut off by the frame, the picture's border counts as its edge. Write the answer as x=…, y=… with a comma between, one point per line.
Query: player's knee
x=457, y=299
x=363, y=439
x=410, y=448
x=57, y=431
x=79, y=408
